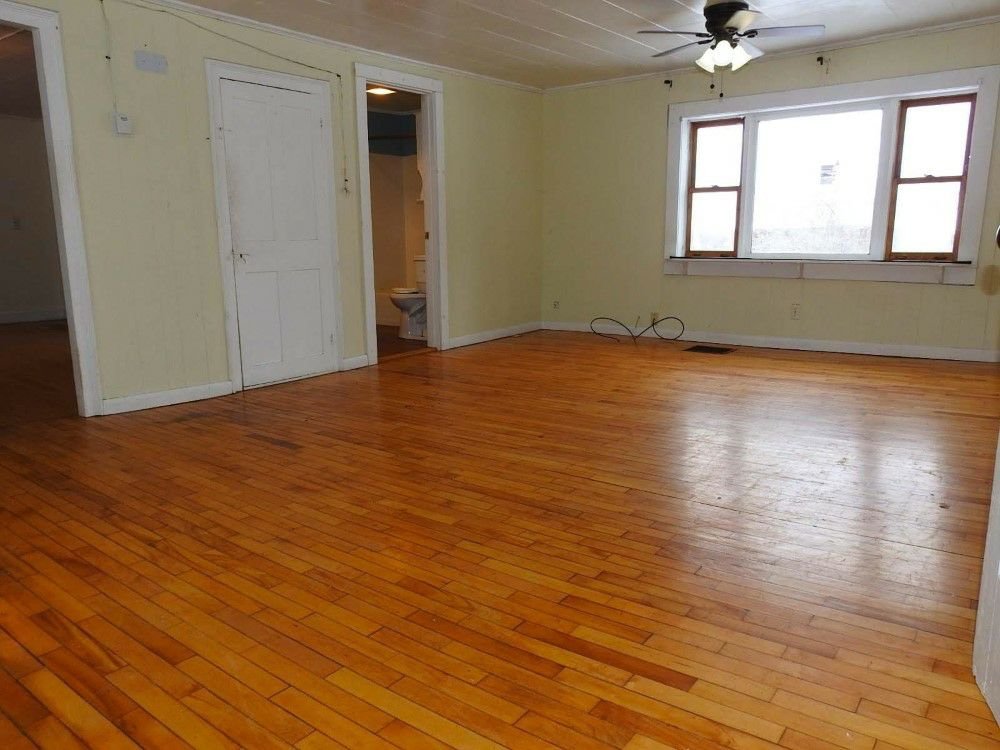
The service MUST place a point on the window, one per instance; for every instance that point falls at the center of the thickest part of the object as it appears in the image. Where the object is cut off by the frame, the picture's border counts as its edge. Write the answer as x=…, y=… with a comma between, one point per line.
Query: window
x=815, y=184
x=714, y=186
x=877, y=171
x=929, y=179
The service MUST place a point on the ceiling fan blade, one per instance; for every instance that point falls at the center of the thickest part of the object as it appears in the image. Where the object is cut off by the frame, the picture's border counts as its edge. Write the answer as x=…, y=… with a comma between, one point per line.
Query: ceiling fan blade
x=700, y=34
x=678, y=49
x=788, y=31
x=742, y=20
x=751, y=49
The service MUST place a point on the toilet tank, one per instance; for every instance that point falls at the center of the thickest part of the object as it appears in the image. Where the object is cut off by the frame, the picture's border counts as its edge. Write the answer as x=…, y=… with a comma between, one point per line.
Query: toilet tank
x=420, y=268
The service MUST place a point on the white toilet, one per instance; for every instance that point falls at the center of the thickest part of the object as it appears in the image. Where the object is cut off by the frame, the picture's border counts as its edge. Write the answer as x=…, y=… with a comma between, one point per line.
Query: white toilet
x=412, y=304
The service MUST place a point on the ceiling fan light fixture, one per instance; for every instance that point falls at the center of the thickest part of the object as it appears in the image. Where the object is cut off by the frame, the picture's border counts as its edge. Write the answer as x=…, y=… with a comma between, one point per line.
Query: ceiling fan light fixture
x=723, y=54
x=707, y=61
x=740, y=57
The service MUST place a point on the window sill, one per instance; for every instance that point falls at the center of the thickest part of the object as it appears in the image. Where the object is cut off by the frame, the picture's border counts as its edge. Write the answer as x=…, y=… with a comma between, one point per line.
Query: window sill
x=954, y=274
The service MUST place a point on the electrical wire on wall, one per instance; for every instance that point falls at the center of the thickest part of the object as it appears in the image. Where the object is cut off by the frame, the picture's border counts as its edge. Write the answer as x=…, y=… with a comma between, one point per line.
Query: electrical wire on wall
x=236, y=40
x=343, y=136
x=636, y=336
x=109, y=54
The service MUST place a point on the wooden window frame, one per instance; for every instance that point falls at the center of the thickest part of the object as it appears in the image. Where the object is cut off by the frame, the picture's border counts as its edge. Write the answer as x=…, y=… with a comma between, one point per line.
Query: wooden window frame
x=692, y=190
x=905, y=105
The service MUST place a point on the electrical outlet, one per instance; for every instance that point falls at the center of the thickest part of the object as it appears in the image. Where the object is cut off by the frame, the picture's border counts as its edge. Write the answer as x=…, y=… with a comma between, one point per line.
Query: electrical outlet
x=555, y=304
x=796, y=311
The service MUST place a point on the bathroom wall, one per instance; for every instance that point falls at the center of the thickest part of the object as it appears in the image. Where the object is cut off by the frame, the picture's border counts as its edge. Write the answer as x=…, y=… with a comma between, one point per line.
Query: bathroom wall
x=413, y=213
x=388, y=221
x=30, y=277
x=397, y=227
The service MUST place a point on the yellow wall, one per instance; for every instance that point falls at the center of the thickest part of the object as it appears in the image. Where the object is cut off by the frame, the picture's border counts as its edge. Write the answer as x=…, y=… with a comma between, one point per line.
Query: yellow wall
x=148, y=200
x=605, y=164
x=30, y=280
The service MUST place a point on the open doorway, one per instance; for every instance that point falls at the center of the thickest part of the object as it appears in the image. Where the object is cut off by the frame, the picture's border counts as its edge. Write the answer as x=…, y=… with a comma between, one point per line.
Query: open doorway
x=36, y=367
x=396, y=163
x=32, y=64
x=401, y=159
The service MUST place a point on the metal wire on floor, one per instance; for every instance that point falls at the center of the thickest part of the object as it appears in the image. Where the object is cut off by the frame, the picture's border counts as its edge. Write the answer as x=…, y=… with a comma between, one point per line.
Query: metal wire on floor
x=636, y=336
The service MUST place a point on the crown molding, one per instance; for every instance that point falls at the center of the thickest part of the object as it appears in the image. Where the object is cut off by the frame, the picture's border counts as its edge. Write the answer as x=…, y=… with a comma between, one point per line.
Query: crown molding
x=217, y=15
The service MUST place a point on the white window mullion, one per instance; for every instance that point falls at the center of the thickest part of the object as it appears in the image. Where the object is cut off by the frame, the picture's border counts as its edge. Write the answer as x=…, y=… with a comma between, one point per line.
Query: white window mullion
x=883, y=188
x=749, y=172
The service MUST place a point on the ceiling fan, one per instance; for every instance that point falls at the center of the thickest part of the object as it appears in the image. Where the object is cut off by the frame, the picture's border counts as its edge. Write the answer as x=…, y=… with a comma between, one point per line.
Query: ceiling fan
x=728, y=27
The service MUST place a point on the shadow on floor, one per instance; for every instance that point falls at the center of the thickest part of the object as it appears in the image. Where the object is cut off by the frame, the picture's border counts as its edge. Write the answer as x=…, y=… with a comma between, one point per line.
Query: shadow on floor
x=390, y=344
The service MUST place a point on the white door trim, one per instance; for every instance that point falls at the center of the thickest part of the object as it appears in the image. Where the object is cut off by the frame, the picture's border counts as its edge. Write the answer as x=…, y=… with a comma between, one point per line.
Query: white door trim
x=44, y=25
x=432, y=91
x=216, y=71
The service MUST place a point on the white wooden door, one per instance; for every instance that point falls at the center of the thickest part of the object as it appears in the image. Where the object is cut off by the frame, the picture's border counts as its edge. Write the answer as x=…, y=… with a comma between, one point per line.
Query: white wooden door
x=279, y=175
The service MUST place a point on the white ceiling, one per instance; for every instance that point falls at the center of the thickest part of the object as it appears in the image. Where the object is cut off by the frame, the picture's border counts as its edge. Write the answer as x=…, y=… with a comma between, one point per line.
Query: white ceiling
x=548, y=43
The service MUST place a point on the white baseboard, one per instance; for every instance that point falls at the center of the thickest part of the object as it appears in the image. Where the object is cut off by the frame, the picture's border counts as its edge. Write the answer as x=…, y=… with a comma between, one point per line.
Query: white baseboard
x=354, y=363
x=30, y=316
x=165, y=398
x=484, y=336
x=809, y=345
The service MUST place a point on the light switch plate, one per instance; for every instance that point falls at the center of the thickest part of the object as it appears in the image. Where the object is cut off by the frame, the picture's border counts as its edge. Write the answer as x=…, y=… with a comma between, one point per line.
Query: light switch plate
x=150, y=62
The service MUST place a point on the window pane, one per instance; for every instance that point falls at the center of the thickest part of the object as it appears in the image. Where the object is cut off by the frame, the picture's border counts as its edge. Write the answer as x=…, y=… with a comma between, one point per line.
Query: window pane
x=934, y=140
x=719, y=160
x=713, y=222
x=926, y=218
x=815, y=184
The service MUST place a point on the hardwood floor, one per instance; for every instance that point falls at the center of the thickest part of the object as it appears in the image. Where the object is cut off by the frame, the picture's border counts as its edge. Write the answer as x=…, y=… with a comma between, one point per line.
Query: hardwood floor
x=552, y=540
x=36, y=373
x=391, y=345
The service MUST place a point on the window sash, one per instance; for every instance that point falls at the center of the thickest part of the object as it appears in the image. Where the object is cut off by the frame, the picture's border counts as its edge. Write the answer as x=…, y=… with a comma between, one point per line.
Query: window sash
x=904, y=107
x=692, y=190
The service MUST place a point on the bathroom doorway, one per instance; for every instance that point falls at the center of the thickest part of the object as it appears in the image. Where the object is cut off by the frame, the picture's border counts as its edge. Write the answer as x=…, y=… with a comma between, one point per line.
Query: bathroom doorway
x=398, y=225
x=401, y=173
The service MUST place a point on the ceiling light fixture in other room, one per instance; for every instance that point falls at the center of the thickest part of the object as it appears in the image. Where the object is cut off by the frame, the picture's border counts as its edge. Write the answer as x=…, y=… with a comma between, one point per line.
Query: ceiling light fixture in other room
x=380, y=91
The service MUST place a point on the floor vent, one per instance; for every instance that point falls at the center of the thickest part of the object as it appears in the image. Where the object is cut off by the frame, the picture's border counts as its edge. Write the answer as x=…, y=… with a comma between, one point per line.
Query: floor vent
x=705, y=349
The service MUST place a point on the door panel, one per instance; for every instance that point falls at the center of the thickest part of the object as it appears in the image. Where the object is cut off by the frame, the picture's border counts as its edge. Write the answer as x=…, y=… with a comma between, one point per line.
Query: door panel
x=260, y=312
x=281, y=214
x=247, y=166
x=301, y=302
x=295, y=210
